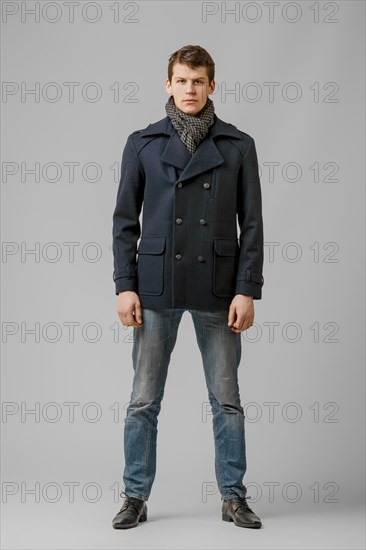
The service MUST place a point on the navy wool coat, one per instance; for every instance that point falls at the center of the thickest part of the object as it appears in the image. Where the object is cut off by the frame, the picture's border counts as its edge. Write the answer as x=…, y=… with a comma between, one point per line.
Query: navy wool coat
x=200, y=241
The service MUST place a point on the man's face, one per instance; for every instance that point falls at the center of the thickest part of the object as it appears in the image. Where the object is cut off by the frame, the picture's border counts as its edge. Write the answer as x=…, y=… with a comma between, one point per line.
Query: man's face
x=189, y=87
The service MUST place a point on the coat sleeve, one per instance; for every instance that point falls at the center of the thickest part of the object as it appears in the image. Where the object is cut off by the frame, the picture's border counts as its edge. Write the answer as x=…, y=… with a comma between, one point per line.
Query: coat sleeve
x=249, y=279
x=126, y=224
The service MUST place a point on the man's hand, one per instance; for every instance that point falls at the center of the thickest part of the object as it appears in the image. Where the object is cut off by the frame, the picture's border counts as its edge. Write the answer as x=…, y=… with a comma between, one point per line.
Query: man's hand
x=241, y=313
x=129, y=308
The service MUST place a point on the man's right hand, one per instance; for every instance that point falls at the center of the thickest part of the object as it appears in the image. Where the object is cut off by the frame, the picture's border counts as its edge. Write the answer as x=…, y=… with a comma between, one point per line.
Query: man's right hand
x=129, y=308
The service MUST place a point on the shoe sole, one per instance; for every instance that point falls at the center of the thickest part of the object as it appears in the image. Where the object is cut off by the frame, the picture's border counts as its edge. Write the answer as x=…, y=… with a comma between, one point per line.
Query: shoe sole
x=225, y=517
x=141, y=520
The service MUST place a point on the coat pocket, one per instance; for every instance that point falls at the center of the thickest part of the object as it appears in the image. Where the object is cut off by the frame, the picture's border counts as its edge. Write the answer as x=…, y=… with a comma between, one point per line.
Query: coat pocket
x=226, y=255
x=150, y=265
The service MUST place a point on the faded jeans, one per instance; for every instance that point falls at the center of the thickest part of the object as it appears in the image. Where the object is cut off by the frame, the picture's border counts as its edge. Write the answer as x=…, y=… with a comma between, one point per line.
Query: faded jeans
x=220, y=348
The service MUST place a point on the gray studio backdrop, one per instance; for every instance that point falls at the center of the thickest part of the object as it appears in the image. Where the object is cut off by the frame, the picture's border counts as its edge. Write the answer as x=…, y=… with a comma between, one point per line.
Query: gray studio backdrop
x=77, y=80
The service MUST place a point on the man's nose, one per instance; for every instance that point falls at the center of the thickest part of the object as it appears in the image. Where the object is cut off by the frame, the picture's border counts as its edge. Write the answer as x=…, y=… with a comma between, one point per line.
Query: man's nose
x=190, y=88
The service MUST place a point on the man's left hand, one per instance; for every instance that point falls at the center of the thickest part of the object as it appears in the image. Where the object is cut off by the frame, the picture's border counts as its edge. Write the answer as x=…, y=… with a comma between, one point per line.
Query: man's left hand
x=241, y=313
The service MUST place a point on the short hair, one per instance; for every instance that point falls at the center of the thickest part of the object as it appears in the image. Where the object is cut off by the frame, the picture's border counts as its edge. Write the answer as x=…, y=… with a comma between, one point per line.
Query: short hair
x=193, y=56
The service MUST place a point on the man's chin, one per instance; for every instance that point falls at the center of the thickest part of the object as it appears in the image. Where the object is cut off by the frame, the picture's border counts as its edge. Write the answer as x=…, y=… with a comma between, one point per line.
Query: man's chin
x=189, y=109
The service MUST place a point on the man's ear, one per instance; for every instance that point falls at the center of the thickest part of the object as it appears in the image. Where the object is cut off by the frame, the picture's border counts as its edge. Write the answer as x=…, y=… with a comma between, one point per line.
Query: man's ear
x=168, y=86
x=212, y=86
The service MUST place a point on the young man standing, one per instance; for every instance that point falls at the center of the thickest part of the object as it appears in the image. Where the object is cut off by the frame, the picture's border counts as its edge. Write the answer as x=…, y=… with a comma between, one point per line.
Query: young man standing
x=196, y=178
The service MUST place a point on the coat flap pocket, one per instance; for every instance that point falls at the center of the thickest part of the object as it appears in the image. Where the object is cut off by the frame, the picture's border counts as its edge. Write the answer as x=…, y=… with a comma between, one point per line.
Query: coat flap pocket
x=151, y=245
x=226, y=247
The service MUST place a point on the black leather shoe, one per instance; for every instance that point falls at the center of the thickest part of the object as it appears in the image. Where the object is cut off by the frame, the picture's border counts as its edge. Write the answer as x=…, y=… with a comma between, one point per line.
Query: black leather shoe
x=237, y=510
x=133, y=511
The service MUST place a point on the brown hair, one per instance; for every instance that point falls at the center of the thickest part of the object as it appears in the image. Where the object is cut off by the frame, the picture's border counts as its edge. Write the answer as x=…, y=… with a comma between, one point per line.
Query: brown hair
x=193, y=56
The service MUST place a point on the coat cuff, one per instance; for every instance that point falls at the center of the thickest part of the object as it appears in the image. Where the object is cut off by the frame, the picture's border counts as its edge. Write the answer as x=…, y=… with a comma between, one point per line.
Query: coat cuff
x=123, y=283
x=252, y=289
x=250, y=282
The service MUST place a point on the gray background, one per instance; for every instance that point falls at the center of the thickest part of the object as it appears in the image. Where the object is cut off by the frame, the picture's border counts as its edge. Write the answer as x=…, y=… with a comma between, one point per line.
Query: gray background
x=306, y=450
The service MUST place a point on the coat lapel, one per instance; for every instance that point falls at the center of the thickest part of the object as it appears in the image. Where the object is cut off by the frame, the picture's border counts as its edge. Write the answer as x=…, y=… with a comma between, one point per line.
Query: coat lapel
x=176, y=153
x=206, y=157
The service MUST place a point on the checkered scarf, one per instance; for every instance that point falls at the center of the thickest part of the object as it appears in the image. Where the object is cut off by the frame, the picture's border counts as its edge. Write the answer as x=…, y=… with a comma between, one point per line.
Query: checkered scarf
x=191, y=129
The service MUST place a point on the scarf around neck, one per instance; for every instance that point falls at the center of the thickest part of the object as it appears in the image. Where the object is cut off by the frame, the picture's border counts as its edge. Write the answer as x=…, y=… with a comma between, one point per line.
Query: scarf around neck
x=190, y=128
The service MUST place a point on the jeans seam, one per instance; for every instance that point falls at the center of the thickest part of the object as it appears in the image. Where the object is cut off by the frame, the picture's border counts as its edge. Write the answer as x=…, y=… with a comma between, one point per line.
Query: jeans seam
x=147, y=456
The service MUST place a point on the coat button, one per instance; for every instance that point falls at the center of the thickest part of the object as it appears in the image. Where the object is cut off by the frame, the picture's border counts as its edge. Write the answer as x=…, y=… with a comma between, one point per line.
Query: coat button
x=206, y=185
x=203, y=222
x=179, y=221
x=178, y=257
x=180, y=185
x=200, y=259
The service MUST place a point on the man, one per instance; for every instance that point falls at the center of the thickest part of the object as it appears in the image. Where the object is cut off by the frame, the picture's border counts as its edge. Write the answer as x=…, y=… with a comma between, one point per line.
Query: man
x=196, y=178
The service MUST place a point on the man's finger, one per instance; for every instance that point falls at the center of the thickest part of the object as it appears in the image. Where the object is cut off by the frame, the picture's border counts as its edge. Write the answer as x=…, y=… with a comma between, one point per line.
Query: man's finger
x=138, y=313
x=247, y=324
x=128, y=319
x=240, y=320
x=232, y=315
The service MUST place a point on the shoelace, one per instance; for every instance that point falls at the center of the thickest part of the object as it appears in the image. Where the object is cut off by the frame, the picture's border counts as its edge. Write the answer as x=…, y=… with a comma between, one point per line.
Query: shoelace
x=129, y=501
x=243, y=504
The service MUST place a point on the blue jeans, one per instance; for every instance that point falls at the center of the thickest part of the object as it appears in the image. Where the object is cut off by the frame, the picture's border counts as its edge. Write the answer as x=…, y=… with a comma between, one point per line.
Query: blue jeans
x=220, y=348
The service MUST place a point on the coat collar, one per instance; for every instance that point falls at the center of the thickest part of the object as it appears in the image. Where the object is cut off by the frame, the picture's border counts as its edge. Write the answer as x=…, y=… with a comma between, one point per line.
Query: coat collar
x=206, y=157
x=165, y=126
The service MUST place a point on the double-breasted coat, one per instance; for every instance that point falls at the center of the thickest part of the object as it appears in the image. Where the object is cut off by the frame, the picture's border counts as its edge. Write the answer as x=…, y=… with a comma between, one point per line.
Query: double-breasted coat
x=201, y=233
